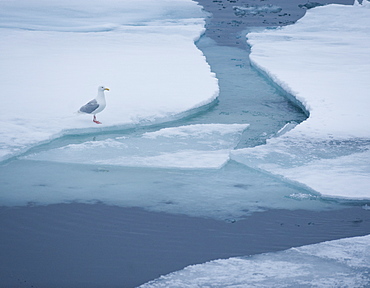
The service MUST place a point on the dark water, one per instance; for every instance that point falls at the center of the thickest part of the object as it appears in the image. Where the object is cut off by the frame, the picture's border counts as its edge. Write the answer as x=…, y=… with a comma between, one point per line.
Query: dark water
x=99, y=245
x=81, y=245
x=226, y=24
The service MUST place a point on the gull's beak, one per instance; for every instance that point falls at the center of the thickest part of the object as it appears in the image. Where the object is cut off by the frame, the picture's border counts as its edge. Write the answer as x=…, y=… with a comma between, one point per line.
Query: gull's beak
x=106, y=89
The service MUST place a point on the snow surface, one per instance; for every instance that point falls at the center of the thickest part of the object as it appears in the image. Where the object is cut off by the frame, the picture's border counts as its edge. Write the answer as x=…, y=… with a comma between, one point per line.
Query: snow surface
x=339, y=263
x=54, y=55
x=322, y=60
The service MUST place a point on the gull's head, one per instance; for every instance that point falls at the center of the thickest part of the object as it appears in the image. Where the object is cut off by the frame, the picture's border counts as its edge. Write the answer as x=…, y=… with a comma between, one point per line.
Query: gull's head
x=102, y=88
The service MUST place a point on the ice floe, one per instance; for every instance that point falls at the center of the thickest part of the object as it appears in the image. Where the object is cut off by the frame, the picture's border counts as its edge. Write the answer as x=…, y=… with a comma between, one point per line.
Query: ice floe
x=339, y=263
x=54, y=55
x=322, y=61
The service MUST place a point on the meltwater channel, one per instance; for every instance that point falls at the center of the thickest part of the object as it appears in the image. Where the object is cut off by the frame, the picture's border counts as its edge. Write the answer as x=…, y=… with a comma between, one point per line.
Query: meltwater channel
x=85, y=225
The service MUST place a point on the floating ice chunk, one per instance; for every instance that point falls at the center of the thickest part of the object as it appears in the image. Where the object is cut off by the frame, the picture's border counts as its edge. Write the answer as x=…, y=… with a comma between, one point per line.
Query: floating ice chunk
x=366, y=4
x=366, y=207
x=339, y=263
x=310, y=5
x=256, y=9
x=356, y=3
x=193, y=146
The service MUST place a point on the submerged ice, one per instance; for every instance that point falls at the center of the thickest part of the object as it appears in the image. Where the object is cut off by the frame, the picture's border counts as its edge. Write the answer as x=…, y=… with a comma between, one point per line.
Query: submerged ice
x=192, y=146
x=229, y=193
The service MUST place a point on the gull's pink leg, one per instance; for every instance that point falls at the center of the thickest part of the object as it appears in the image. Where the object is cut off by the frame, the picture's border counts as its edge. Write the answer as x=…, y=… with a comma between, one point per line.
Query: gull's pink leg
x=96, y=121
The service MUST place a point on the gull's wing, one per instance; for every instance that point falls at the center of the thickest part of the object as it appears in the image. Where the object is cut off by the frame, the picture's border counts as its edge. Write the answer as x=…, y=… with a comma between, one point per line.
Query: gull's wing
x=90, y=107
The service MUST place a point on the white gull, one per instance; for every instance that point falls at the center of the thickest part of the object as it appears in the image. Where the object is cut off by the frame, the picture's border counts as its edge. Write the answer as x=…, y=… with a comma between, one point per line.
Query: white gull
x=96, y=105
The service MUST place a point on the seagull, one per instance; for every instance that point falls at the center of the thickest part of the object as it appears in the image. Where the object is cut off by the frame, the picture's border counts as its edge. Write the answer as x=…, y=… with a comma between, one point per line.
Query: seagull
x=96, y=105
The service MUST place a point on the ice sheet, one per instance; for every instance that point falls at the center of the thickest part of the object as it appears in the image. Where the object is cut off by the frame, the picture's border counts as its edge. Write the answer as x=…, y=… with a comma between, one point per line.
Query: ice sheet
x=54, y=55
x=191, y=146
x=322, y=60
x=339, y=263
